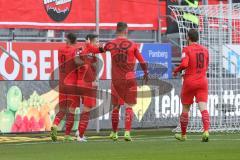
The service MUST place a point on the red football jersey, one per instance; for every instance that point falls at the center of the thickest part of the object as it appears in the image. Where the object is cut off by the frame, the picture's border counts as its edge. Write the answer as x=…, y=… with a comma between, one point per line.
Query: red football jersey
x=195, y=60
x=124, y=54
x=67, y=66
x=87, y=71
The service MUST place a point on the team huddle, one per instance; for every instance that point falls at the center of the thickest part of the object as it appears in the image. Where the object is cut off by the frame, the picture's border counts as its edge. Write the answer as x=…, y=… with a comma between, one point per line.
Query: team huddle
x=78, y=74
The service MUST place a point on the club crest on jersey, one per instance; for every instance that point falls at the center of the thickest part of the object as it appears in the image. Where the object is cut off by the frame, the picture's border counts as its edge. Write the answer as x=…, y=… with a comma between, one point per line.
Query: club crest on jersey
x=57, y=10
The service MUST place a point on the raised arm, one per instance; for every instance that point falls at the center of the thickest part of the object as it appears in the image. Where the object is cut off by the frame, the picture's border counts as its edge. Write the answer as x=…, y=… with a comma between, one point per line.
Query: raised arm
x=89, y=48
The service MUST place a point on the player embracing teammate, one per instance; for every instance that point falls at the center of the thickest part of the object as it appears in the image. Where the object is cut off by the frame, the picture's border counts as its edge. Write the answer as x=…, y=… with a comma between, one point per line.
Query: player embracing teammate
x=195, y=60
x=77, y=73
x=68, y=99
x=87, y=74
x=124, y=54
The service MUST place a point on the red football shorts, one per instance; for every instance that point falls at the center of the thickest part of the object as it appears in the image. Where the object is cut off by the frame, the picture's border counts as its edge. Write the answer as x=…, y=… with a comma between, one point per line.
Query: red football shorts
x=88, y=101
x=70, y=101
x=124, y=91
x=194, y=88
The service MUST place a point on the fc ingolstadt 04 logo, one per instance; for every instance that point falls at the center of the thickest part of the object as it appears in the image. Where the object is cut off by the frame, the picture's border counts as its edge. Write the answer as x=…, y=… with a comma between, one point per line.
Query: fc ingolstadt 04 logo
x=57, y=10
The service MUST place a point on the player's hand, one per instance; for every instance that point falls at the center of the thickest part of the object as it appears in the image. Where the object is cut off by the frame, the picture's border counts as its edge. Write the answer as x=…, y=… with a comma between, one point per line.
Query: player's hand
x=145, y=78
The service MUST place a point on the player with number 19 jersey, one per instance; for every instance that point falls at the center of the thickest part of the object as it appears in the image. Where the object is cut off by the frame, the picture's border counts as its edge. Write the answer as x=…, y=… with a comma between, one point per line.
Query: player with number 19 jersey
x=195, y=60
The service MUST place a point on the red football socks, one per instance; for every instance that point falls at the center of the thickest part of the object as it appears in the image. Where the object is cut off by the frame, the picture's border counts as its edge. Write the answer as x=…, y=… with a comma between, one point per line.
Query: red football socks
x=205, y=120
x=69, y=123
x=115, y=119
x=128, y=118
x=59, y=116
x=83, y=123
x=184, y=122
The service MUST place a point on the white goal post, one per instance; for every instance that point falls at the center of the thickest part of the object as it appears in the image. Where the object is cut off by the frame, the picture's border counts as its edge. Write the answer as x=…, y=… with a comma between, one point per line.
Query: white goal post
x=219, y=30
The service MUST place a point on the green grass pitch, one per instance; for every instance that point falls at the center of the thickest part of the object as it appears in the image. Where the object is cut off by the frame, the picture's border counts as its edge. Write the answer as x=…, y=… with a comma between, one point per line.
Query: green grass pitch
x=147, y=145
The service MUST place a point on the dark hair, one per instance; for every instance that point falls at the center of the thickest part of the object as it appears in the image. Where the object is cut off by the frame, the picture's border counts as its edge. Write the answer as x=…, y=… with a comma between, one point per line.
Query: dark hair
x=91, y=36
x=121, y=27
x=193, y=35
x=71, y=37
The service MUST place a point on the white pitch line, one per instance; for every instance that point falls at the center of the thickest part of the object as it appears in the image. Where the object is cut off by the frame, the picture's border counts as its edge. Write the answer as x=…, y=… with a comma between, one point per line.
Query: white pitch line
x=95, y=140
x=164, y=138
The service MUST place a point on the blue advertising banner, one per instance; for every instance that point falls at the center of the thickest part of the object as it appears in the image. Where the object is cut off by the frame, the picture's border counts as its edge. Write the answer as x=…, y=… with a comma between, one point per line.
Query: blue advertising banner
x=159, y=58
x=231, y=59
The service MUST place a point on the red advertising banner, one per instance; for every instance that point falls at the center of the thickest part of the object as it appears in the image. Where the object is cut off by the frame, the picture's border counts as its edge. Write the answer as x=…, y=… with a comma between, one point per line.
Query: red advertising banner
x=77, y=14
x=39, y=61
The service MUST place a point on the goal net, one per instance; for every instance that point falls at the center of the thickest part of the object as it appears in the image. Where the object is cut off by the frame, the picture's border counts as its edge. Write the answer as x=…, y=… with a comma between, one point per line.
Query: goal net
x=219, y=30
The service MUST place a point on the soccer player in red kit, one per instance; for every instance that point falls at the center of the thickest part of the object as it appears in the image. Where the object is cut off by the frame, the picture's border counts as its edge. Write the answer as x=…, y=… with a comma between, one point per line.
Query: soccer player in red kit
x=124, y=54
x=194, y=63
x=67, y=76
x=87, y=79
